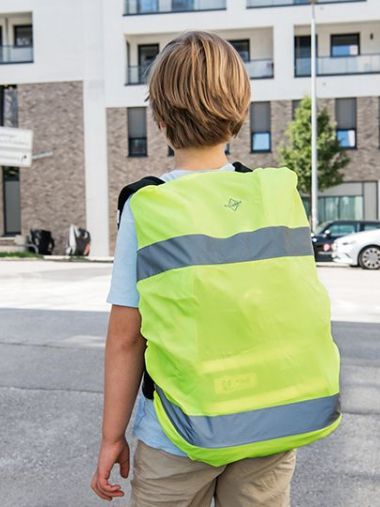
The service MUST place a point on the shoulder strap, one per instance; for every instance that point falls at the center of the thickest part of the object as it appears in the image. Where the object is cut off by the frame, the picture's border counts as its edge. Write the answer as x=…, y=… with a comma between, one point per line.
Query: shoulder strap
x=131, y=188
x=127, y=191
x=240, y=168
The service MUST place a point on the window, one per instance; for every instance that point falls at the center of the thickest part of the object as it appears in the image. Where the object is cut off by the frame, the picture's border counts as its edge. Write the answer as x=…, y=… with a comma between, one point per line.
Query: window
x=345, y=44
x=345, y=112
x=23, y=35
x=144, y=6
x=182, y=5
x=302, y=54
x=11, y=200
x=342, y=229
x=295, y=104
x=137, y=141
x=9, y=106
x=370, y=227
x=260, y=127
x=147, y=54
x=344, y=207
x=242, y=47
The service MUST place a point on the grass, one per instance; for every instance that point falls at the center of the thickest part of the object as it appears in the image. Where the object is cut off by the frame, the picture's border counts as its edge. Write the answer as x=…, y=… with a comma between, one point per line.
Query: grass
x=21, y=254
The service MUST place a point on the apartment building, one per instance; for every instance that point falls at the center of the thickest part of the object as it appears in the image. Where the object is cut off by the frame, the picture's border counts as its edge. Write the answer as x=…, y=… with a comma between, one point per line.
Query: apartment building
x=75, y=72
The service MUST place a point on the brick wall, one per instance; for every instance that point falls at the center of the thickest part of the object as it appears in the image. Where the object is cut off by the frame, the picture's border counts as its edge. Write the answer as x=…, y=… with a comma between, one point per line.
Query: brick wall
x=123, y=169
x=365, y=161
x=53, y=188
x=364, y=164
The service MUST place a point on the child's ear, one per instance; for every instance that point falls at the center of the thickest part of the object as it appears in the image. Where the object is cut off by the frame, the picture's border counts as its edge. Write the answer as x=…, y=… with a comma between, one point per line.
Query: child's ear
x=161, y=125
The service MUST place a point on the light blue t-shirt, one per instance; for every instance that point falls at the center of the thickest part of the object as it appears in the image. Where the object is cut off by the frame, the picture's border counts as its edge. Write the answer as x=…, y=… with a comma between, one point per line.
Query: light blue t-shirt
x=123, y=291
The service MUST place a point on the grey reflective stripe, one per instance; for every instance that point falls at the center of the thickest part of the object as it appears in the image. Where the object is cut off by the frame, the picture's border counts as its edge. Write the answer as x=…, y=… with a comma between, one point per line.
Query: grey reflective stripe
x=254, y=426
x=199, y=249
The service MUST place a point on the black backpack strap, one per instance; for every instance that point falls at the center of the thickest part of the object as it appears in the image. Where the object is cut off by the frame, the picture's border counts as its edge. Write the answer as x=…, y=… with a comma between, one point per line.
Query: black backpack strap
x=240, y=168
x=127, y=191
x=130, y=189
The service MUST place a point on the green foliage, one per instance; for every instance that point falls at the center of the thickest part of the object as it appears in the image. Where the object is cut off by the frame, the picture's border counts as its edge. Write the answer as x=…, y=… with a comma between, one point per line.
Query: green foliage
x=297, y=154
x=21, y=254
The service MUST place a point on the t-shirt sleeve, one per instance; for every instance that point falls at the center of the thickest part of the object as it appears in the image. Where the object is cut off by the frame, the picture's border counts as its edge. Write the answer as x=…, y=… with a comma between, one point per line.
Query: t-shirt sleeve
x=123, y=290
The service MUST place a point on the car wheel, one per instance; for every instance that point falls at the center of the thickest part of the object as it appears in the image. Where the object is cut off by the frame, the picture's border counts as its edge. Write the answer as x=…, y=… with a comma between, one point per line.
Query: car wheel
x=369, y=258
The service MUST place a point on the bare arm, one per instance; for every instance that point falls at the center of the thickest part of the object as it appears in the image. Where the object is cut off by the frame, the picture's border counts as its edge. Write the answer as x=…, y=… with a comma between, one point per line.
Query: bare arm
x=124, y=364
x=123, y=368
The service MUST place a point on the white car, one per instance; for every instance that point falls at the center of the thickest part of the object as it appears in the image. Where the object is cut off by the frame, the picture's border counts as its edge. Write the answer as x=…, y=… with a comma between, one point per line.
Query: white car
x=361, y=248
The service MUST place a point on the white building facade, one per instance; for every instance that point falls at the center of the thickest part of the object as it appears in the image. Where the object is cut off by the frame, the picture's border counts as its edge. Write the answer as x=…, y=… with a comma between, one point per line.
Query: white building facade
x=75, y=71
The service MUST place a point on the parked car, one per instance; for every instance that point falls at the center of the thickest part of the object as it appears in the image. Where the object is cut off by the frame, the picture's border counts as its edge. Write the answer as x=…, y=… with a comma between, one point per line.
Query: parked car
x=362, y=248
x=330, y=231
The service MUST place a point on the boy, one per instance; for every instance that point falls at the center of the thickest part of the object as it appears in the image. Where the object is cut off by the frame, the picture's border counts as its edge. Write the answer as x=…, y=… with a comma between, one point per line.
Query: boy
x=199, y=92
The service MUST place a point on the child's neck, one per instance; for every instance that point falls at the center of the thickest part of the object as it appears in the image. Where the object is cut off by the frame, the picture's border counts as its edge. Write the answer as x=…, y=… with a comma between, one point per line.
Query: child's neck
x=210, y=157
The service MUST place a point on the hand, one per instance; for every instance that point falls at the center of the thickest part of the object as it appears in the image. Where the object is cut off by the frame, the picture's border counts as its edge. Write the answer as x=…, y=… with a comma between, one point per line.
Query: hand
x=109, y=454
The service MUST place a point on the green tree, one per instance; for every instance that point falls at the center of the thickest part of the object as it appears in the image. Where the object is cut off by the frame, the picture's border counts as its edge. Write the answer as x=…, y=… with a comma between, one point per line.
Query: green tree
x=297, y=153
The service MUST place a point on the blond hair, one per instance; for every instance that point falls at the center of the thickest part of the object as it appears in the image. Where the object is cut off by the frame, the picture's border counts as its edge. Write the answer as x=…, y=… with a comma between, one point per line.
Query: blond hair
x=199, y=90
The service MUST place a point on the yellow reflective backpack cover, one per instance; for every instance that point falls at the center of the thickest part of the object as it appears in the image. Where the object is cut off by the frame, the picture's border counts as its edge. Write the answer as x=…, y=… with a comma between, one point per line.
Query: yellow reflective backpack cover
x=237, y=323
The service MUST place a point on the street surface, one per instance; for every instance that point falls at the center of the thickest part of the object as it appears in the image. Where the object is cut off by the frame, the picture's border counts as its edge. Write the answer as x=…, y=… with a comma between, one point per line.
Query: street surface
x=53, y=321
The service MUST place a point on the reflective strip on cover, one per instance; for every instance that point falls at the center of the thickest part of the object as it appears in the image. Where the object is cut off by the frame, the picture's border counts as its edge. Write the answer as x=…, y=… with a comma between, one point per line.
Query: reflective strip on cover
x=253, y=426
x=200, y=249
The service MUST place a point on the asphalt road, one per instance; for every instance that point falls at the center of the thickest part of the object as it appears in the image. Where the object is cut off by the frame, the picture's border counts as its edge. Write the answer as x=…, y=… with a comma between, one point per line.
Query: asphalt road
x=53, y=320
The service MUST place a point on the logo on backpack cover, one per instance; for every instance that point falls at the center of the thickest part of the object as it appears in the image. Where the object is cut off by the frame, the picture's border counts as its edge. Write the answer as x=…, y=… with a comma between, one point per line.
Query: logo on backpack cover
x=232, y=204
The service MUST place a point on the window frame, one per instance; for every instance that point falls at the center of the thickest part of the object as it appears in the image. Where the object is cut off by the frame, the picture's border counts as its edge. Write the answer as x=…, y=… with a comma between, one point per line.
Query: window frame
x=182, y=10
x=296, y=74
x=141, y=11
x=354, y=129
x=15, y=27
x=134, y=138
x=356, y=34
x=3, y=178
x=137, y=155
x=253, y=131
x=249, y=47
x=355, y=146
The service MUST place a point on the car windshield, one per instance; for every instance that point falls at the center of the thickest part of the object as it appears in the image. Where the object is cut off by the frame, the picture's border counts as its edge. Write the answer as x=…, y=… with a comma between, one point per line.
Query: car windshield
x=322, y=227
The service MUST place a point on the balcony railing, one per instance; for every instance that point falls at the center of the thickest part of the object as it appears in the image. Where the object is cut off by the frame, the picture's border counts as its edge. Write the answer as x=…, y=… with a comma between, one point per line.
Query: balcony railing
x=339, y=65
x=164, y=6
x=259, y=69
x=283, y=3
x=137, y=74
x=16, y=54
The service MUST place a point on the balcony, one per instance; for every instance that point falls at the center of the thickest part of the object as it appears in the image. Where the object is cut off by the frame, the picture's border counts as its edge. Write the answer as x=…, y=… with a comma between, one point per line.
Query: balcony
x=136, y=74
x=339, y=65
x=251, y=4
x=260, y=69
x=133, y=7
x=16, y=54
x=257, y=69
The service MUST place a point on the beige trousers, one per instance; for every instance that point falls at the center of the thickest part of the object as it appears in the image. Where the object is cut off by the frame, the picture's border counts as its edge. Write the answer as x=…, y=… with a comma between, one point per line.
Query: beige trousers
x=165, y=480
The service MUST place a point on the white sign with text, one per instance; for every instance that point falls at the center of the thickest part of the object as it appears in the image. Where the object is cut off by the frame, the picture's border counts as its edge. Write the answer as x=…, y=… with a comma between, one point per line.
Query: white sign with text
x=16, y=147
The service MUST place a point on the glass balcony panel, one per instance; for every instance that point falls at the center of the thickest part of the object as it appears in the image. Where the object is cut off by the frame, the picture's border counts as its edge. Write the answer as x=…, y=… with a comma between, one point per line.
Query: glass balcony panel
x=16, y=54
x=280, y=3
x=137, y=74
x=349, y=64
x=340, y=65
x=162, y=6
x=303, y=67
x=260, y=68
